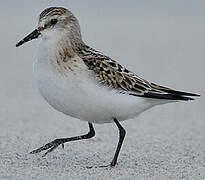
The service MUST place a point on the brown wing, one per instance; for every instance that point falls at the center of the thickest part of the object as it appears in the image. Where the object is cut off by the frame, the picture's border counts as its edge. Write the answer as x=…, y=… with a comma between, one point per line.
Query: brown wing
x=113, y=75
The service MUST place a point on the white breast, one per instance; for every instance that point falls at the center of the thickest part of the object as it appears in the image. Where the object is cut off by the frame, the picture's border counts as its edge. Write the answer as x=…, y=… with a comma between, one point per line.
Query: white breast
x=77, y=94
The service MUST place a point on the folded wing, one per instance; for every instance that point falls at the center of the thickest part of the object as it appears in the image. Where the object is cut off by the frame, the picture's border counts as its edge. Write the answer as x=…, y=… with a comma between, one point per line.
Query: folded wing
x=113, y=75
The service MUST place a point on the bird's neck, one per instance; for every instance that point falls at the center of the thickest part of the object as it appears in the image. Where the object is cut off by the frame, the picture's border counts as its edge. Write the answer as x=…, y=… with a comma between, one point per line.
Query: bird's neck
x=61, y=54
x=62, y=43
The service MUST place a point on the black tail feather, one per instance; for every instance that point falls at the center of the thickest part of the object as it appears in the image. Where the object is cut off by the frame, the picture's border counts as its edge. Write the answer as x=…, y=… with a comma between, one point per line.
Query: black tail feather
x=168, y=96
x=181, y=93
x=161, y=92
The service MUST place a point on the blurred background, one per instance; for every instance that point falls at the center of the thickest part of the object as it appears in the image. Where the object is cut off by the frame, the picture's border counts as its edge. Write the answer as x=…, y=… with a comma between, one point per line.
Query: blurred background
x=162, y=41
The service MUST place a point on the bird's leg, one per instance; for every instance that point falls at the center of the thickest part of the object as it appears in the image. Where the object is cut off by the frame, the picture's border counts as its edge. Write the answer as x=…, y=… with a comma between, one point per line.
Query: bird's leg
x=54, y=144
x=122, y=133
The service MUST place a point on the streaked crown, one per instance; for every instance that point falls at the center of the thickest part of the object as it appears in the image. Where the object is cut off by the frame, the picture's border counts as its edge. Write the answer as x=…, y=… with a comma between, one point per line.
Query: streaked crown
x=52, y=11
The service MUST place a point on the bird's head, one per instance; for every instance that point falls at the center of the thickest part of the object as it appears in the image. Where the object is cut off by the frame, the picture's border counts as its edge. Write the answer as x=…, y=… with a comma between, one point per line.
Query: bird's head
x=55, y=22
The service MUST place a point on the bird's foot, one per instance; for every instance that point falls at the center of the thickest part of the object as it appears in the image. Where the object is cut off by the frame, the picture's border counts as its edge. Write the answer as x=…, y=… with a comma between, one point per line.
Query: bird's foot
x=50, y=146
x=102, y=166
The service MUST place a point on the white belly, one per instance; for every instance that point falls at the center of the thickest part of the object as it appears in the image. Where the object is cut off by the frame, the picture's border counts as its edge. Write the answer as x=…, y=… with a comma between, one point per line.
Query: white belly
x=78, y=95
x=82, y=98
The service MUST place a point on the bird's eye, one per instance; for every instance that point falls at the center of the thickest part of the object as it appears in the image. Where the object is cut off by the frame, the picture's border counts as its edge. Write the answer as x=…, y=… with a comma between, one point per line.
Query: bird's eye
x=54, y=21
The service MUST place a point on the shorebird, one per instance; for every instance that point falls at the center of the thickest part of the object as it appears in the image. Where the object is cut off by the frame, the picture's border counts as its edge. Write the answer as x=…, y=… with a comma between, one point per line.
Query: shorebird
x=82, y=82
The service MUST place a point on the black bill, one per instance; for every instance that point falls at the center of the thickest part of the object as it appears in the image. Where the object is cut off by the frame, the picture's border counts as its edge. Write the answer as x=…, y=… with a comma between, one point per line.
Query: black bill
x=34, y=35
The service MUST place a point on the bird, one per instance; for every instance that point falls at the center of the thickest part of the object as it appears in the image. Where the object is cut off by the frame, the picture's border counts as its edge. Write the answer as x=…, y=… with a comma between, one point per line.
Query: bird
x=86, y=84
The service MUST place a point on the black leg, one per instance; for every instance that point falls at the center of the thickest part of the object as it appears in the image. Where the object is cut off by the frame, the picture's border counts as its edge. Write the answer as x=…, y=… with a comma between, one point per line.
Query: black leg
x=122, y=133
x=54, y=144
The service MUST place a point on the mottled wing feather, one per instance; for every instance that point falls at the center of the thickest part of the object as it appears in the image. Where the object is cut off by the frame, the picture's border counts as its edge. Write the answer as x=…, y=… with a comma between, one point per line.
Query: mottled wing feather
x=113, y=75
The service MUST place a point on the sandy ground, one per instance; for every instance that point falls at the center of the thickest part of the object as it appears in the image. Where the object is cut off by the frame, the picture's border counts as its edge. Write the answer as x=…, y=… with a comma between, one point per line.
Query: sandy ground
x=157, y=146
x=166, y=142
